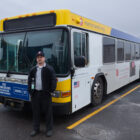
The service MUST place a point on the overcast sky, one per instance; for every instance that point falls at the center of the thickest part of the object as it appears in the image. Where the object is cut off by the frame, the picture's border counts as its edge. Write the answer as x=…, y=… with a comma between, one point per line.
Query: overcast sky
x=120, y=14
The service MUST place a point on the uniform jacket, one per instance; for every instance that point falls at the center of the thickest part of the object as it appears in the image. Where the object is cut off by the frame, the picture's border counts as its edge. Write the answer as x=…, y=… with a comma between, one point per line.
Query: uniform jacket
x=48, y=77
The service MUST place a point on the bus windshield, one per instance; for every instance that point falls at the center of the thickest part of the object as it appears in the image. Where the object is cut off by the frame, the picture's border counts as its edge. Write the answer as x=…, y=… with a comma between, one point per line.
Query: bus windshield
x=18, y=50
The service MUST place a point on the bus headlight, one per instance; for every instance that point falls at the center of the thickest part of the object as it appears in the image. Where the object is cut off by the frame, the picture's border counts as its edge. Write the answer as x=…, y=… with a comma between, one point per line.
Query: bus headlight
x=56, y=94
x=60, y=94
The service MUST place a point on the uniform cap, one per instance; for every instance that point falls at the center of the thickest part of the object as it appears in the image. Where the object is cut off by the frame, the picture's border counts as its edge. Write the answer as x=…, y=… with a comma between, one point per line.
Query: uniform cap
x=40, y=53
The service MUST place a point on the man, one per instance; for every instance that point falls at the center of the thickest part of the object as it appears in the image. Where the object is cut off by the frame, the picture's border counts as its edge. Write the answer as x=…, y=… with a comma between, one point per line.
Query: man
x=41, y=83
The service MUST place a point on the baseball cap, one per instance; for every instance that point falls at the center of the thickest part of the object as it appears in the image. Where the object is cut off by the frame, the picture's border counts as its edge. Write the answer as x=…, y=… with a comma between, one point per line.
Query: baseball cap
x=40, y=53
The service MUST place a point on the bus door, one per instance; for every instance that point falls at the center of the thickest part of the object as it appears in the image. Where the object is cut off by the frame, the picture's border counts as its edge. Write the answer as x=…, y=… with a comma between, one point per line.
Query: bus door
x=80, y=78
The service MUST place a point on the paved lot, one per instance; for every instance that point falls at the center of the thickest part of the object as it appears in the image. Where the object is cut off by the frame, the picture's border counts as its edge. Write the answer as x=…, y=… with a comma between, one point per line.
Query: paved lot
x=119, y=121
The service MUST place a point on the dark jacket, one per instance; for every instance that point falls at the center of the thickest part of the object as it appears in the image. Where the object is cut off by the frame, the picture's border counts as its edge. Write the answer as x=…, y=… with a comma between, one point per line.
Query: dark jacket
x=48, y=79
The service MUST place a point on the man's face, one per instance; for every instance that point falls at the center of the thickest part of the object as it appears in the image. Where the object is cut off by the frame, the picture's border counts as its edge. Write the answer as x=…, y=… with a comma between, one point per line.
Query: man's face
x=40, y=59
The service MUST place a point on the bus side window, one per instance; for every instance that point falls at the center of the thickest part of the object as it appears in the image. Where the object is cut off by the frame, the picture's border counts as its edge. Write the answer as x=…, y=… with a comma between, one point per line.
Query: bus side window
x=108, y=50
x=137, y=51
x=80, y=45
x=133, y=51
x=120, y=51
x=127, y=48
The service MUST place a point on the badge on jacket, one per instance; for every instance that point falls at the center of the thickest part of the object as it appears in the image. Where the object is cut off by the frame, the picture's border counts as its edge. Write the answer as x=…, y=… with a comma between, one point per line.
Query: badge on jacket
x=33, y=84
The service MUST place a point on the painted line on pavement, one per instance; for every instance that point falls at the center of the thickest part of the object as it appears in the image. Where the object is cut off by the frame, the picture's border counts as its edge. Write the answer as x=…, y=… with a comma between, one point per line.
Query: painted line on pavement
x=100, y=109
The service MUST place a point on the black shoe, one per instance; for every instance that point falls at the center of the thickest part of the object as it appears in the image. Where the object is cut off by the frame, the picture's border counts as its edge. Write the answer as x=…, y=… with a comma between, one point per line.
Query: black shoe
x=34, y=133
x=49, y=133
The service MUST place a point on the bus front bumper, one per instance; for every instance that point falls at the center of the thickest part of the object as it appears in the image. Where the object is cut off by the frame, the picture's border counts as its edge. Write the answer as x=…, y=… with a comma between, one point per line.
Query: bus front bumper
x=58, y=108
x=62, y=108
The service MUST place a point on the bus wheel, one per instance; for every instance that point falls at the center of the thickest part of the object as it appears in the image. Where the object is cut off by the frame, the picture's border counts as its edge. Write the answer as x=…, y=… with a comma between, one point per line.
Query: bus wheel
x=97, y=92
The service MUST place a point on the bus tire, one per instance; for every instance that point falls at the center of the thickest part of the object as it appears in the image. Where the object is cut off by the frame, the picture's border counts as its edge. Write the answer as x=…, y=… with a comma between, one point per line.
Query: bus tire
x=97, y=92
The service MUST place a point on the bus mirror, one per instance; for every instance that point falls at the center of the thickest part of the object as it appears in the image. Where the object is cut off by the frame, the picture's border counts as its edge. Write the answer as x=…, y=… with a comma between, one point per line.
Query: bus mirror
x=80, y=61
x=19, y=43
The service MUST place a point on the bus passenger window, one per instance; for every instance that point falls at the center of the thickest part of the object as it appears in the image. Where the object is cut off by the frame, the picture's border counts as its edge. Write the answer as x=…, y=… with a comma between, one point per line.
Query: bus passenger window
x=133, y=51
x=80, y=45
x=127, y=51
x=137, y=51
x=120, y=51
x=108, y=50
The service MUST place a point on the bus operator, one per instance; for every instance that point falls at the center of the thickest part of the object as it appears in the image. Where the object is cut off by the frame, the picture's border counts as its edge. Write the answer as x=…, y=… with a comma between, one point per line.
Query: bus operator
x=41, y=83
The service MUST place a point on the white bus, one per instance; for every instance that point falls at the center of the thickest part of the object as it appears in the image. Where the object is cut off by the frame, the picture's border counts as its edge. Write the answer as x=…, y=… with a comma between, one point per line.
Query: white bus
x=90, y=59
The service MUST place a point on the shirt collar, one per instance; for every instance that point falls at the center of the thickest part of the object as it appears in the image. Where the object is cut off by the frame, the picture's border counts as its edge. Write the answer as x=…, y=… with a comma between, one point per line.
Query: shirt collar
x=41, y=66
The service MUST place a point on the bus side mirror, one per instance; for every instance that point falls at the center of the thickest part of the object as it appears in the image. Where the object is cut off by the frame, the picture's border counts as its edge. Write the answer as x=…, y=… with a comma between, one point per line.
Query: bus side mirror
x=19, y=44
x=80, y=61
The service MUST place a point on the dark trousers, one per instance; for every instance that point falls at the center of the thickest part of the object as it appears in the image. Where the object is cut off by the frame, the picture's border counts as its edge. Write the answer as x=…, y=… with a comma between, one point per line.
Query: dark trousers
x=42, y=101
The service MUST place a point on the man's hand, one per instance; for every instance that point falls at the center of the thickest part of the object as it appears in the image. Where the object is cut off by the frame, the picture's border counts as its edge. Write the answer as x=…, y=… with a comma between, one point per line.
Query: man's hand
x=32, y=93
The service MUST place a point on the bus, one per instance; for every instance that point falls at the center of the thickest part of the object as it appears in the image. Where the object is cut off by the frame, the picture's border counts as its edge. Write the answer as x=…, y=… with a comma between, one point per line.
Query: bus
x=90, y=59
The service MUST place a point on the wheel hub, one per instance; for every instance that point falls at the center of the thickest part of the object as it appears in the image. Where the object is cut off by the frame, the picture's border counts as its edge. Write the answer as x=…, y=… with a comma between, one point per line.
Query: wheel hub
x=97, y=90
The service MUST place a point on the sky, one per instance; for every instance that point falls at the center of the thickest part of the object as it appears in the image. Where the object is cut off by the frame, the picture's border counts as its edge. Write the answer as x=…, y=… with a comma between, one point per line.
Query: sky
x=123, y=15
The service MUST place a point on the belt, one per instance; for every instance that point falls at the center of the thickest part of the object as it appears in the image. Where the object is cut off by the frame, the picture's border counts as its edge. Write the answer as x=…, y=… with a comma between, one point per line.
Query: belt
x=39, y=91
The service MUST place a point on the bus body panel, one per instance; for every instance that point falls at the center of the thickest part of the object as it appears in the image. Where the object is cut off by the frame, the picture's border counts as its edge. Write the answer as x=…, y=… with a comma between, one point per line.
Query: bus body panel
x=73, y=90
x=80, y=84
x=122, y=74
x=109, y=72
